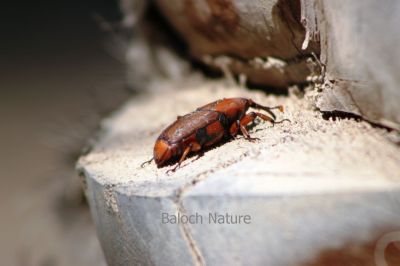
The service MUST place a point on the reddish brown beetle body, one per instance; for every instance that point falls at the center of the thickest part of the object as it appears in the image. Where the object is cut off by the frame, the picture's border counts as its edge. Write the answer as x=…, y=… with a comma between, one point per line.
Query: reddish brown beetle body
x=207, y=126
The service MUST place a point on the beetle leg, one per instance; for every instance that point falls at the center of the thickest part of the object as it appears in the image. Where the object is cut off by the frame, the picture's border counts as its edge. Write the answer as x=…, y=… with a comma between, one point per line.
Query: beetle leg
x=269, y=119
x=248, y=118
x=246, y=133
x=281, y=121
x=233, y=130
x=266, y=118
x=146, y=162
x=185, y=153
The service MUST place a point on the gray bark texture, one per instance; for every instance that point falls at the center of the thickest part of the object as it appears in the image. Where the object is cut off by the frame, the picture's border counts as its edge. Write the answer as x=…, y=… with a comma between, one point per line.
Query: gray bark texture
x=359, y=43
x=275, y=43
x=259, y=39
x=311, y=186
x=319, y=191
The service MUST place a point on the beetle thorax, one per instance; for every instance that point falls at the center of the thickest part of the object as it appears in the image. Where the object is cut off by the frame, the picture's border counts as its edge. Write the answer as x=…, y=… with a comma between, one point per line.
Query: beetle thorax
x=234, y=108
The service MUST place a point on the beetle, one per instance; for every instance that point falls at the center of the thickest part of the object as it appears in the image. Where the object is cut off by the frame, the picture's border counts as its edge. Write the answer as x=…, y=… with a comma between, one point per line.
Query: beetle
x=206, y=126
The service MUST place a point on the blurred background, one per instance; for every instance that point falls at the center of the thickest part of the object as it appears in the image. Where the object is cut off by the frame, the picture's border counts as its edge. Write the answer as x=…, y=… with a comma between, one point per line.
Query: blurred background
x=64, y=65
x=58, y=76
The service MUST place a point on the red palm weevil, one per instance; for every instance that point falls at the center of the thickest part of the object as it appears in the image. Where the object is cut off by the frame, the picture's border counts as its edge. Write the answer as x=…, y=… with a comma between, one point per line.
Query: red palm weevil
x=206, y=126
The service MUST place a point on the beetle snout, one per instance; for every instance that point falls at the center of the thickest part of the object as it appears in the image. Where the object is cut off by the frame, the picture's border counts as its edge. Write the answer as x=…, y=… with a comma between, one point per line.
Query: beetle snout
x=162, y=152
